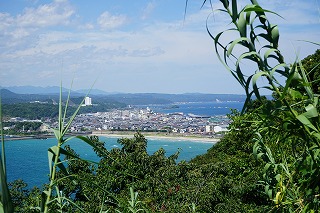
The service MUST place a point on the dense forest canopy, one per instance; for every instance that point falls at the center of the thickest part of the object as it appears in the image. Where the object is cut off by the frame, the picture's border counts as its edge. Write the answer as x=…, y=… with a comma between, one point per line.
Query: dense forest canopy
x=43, y=110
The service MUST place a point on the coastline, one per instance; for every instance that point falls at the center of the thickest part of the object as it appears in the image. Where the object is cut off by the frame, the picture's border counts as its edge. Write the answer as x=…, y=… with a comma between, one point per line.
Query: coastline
x=17, y=137
x=147, y=135
x=155, y=136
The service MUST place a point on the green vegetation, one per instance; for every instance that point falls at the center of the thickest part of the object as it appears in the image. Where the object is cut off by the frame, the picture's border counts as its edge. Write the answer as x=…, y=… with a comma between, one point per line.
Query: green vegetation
x=286, y=132
x=17, y=128
x=6, y=204
x=268, y=161
x=30, y=110
x=312, y=66
x=39, y=111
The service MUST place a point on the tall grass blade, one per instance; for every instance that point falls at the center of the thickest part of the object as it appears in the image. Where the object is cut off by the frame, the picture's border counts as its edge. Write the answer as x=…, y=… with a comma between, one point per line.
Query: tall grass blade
x=234, y=10
x=55, y=151
x=3, y=153
x=67, y=102
x=6, y=201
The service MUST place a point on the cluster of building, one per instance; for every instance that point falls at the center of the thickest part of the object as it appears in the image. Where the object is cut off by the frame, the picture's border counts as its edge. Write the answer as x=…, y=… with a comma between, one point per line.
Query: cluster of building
x=139, y=119
x=147, y=120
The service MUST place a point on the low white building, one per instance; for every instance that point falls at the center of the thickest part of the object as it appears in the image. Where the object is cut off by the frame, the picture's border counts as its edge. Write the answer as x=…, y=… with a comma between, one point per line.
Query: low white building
x=217, y=129
x=87, y=101
x=213, y=129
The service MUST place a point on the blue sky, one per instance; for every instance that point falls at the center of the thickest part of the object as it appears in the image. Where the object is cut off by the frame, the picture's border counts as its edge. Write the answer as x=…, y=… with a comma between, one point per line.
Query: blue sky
x=132, y=46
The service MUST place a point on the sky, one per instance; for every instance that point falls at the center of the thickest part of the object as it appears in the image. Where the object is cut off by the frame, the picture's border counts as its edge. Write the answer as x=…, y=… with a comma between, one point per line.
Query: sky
x=133, y=46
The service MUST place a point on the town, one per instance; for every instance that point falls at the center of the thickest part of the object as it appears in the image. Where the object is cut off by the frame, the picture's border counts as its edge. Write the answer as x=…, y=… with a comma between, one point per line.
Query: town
x=129, y=119
x=145, y=120
x=133, y=119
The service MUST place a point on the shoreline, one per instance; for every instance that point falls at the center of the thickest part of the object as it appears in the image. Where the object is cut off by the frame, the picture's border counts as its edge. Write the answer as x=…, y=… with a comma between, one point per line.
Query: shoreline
x=165, y=137
x=119, y=135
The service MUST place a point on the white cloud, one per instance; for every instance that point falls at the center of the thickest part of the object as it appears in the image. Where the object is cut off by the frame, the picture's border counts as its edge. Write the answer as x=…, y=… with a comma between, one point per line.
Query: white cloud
x=147, y=52
x=109, y=21
x=179, y=49
x=87, y=26
x=21, y=31
x=294, y=12
x=148, y=10
x=6, y=20
x=56, y=13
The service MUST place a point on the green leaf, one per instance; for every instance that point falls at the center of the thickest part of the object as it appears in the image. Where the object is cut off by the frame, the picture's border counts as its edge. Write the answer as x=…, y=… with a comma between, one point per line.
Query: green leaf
x=258, y=9
x=254, y=82
x=247, y=101
x=57, y=134
x=50, y=159
x=290, y=79
x=278, y=177
x=268, y=53
x=269, y=193
x=44, y=196
x=53, y=152
x=305, y=121
x=235, y=42
x=294, y=93
x=276, y=69
x=317, y=135
x=234, y=10
x=5, y=194
x=311, y=111
x=225, y=3
x=248, y=55
x=242, y=25
x=260, y=155
x=266, y=167
x=275, y=35
x=315, y=101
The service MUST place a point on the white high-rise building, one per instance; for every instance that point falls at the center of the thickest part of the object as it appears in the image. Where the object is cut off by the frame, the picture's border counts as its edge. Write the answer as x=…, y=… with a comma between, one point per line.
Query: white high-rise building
x=87, y=101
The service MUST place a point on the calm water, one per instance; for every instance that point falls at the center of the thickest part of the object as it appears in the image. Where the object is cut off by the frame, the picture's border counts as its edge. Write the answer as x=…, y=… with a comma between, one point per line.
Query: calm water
x=200, y=108
x=28, y=159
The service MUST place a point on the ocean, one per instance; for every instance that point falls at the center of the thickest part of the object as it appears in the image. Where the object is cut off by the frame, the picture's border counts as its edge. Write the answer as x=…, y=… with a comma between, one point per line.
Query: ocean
x=214, y=108
x=28, y=159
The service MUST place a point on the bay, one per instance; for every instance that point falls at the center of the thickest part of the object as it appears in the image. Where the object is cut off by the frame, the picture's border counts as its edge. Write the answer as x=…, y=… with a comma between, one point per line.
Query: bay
x=28, y=159
x=214, y=108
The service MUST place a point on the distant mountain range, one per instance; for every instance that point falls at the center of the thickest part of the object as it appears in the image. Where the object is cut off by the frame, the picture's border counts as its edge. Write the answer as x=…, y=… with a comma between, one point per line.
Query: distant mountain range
x=19, y=94
x=50, y=90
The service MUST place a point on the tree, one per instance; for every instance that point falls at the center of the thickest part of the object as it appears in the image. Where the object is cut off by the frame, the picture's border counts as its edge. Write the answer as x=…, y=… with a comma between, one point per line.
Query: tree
x=24, y=199
x=311, y=65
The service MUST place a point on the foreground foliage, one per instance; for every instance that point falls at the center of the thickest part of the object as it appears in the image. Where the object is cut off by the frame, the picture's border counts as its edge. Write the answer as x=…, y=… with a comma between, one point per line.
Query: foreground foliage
x=286, y=134
x=218, y=181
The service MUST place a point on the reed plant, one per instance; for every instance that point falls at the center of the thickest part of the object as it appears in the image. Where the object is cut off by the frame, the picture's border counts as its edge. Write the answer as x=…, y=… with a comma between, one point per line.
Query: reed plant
x=6, y=205
x=287, y=134
x=54, y=198
x=53, y=193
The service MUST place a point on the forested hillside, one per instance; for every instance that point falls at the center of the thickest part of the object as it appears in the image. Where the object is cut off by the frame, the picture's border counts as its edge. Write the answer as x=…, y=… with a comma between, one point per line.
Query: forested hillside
x=45, y=110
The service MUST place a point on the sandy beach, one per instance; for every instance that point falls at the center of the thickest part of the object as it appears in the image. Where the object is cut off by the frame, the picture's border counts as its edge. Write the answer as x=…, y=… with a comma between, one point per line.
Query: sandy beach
x=165, y=137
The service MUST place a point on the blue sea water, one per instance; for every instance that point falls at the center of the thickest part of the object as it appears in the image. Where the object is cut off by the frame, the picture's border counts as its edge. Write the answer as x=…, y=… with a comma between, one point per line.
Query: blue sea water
x=28, y=159
x=213, y=108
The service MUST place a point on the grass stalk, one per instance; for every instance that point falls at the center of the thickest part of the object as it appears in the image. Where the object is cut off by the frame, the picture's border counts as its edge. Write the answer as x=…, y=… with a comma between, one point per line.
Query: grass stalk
x=3, y=156
x=6, y=201
x=55, y=152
